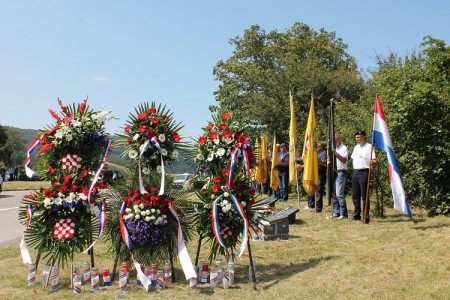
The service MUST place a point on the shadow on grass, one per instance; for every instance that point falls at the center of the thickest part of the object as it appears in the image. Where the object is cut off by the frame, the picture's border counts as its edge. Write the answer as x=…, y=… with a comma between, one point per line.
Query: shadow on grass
x=431, y=226
x=400, y=218
x=270, y=275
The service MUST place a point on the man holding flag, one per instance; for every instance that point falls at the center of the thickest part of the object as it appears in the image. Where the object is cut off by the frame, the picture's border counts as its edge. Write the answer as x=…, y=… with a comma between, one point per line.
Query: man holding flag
x=363, y=158
x=382, y=140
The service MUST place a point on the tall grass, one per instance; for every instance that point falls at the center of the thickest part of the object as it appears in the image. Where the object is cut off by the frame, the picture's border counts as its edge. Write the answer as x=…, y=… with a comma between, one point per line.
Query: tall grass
x=390, y=258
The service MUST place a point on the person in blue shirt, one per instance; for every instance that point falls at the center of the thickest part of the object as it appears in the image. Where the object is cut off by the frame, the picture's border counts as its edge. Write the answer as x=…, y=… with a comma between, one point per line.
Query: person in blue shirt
x=283, y=173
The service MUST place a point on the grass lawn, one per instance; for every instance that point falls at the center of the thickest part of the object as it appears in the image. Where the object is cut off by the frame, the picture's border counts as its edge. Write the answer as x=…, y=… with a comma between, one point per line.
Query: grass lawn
x=390, y=258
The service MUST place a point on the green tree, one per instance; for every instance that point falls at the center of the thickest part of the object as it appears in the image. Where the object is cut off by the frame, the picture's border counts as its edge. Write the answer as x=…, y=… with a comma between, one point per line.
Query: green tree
x=415, y=92
x=265, y=67
x=14, y=149
x=3, y=140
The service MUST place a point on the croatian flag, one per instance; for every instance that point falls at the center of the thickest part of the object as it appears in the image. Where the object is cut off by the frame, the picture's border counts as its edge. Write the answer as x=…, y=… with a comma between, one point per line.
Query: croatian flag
x=382, y=141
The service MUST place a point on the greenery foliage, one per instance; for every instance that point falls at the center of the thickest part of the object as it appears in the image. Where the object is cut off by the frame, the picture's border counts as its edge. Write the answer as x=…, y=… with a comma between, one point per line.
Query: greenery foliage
x=415, y=92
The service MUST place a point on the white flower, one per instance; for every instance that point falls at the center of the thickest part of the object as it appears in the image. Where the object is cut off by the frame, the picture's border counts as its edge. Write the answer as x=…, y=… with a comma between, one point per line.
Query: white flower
x=72, y=196
x=220, y=152
x=210, y=156
x=82, y=196
x=243, y=204
x=147, y=212
x=128, y=209
x=101, y=116
x=159, y=220
x=141, y=205
x=216, y=141
x=147, y=219
x=152, y=210
x=95, y=210
x=175, y=154
x=213, y=196
x=158, y=211
x=226, y=195
x=75, y=123
x=228, y=140
x=137, y=217
x=135, y=207
x=164, y=216
x=225, y=209
x=224, y=202
x=137, y=211
x=146, y=171
x=152, y=217
x=136, y=136
x=129, y=216
x=47, y=202
x=164, y=152
x=132, y=154
x=159, y=169
x=161, y=138
x=200, y=156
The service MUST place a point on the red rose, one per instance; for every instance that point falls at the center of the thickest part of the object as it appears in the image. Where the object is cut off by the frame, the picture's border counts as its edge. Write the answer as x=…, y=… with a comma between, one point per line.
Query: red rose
x=176, y=138
x=48, y=194
x=151, y=133
x=153, y=190
x=252, y=190
x=251, y=202
x=226, y=173
x=215, y=188
x=223, y=126
x=127, y=128
x=63, y=188
x=164, y=210
x=136, y=195
x=137, y=202
x=213, y=135
x=216, y=179
x=128, y=140
x=141, y=129
x=228, y=134
x=152, y=110
x=201, y=140
x=209, y=126
x=226, y=116
x=141, y=116
x=155, y=120
x=242, y=139
x=74, y=188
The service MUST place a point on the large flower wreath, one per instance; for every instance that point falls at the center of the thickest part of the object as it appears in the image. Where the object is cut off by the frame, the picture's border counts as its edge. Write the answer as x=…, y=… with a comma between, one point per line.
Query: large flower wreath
x=60, y=220
x=224, y=215
x=152, y=222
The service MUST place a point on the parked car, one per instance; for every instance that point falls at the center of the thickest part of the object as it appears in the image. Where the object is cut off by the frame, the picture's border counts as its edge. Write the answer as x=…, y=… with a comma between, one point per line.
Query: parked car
x=1, y=184
x=34, y=176
x=109, y=176
x=182, y=180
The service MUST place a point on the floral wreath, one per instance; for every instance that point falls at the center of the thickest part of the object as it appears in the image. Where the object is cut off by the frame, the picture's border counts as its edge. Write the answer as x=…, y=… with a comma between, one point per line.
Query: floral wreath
x=151, y=222
x=60, y=219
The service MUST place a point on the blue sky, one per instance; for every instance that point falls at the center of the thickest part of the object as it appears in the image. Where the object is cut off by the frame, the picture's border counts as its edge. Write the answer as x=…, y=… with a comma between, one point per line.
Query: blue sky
x=123, y=53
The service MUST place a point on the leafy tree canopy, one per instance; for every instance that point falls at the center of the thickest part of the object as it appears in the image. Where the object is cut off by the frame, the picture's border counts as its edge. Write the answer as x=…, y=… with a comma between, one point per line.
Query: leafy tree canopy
x=265, y=67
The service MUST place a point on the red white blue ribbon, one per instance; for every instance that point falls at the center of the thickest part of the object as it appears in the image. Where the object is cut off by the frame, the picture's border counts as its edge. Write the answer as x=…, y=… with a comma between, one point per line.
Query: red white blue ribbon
x=216, y=226
x=100, y=168
x=144, y=147
x=33, y=146
x=183, y=255
x=245, y=149
x=145, y=281
x=29, y=211
x=101, y=222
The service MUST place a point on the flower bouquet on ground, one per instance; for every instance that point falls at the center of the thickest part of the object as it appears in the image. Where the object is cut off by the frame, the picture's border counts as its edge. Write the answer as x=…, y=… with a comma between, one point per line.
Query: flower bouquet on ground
x=60, y=220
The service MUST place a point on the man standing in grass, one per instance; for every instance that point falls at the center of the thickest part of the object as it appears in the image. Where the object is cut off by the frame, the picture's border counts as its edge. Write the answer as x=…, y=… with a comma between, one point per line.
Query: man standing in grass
x=362, y=160
x=341, y=154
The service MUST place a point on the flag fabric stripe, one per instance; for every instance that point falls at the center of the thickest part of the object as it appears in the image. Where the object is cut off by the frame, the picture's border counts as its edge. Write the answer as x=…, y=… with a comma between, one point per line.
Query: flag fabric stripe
x=382, y=140
x=274, y=171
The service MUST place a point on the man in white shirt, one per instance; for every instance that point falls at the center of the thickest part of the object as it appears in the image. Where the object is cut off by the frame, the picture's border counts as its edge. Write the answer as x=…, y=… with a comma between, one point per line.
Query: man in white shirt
x=362, y=161
x=339, y=205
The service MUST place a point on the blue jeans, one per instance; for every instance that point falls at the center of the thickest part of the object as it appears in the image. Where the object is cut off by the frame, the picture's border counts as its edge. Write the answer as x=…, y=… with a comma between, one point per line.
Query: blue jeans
x=283, y=186
x=339, y=204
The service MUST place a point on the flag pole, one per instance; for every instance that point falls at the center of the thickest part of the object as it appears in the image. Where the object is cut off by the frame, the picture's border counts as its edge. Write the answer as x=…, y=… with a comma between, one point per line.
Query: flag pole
x=296, y=181
x=331, y=161
x=368, y=187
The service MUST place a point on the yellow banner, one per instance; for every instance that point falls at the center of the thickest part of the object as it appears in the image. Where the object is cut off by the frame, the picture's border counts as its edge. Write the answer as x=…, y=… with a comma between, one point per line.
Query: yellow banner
x=310, y=160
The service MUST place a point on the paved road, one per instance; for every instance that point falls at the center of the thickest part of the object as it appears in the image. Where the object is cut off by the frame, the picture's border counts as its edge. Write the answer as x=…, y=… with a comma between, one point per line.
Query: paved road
x=10, y=229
